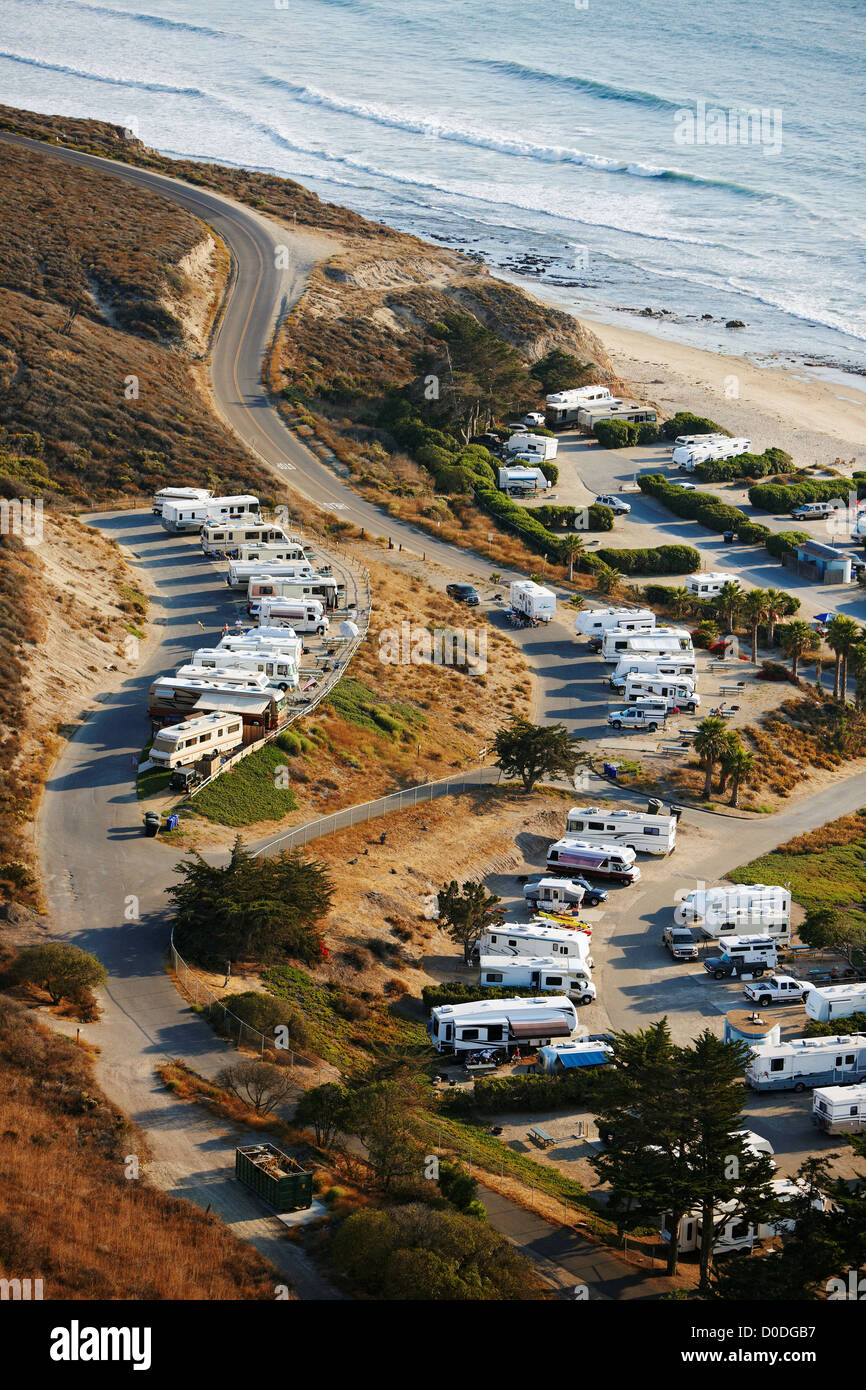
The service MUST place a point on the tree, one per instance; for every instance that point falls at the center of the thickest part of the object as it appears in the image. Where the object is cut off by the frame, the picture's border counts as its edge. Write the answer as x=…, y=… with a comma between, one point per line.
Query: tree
x=460, y=1189
x=468, y=913
x=729, y=602
x=63, y=971
x=385, y=1117
x=261, y=1085
x=857, y=661
x=559, y=371
x=779, y=605
x=571, y=547
x=322, y=1109
x=680, y=602
x=530, y=751
x=711, y=744
x=755, y=609
x=607, y=579
x=737, y=766
x=798, y=640
x=483, y=374
x=843, y=634
x=828, y=929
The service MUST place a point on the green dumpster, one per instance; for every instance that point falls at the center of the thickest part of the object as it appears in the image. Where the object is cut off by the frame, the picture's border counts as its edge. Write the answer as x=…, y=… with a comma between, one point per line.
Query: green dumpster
x=272, y=1175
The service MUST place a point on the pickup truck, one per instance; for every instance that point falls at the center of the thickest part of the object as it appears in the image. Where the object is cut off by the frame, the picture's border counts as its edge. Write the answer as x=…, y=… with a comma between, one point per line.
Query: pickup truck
x=777, y=989
x=680, y=943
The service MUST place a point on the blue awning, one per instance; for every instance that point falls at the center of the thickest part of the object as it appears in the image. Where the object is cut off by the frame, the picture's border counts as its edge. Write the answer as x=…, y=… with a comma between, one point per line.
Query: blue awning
x=582, y=1059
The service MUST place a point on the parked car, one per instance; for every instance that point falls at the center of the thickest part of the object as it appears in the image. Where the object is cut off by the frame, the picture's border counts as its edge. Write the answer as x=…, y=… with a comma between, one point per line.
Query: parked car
x=616, y=504
x=533, y=418
x=689, y=487
x=463, y=593
x=777, y=989
x=635, y=718
x=592, y=895
x=815, y=511
x=680, y=943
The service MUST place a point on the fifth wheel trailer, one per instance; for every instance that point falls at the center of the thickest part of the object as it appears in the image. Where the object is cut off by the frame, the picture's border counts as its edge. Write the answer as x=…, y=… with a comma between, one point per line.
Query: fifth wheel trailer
x=503, y=1024
x=827, y=1002
x=840, y=1109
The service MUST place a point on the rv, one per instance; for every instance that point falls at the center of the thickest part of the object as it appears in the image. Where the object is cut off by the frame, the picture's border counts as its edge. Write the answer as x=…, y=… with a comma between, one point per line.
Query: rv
x=732, y=1231
x=269, y=557
x=562, y=896
x=840, y=1109
x=186, y=516
x=691, y=456
x=532, y=446
x=241, y=572
x=743, y=955
x=170, y=700
x=301, y=615
x=298, y=586
x=640, y=830
x=263, y=639
x=675, y=666
x=503, y=1024
x=595, y=622
x=228, y=677
x=535, y=939
x=799, y=1063
x=675, y=695
x=562, y=407
x=591, y=1052
x=709, y=585
x=533, y=600
x=827, y=1002
x=683, y=441
x=223, y=537
x=281, y=668
x=736, y=906
x=662, y=641
x=537, y=972
x=179, y=744
x=178, y=495
x=522, y=478
x=588, y=416
x=613, y=862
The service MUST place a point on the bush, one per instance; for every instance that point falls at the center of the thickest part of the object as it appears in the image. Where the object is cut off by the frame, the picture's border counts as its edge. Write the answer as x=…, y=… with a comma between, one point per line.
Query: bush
x=550, y=471
x=456, y=992
x=661, y=559
x=598, y=518
x=703, y=507
x=780, y=497
x=780, y=544
x=686, y=423
x=497, y=1094
x=616, y=434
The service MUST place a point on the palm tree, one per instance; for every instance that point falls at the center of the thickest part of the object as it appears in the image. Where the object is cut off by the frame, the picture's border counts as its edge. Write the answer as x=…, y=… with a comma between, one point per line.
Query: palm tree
x=729, y=602
x=842, y=634
x=680, y=602
x=779, y=605
x=571, y=547
x=711, y=743
x=798, y=640
x=857, y=659
x=608, y=579
x=738, y=765
x=755, y=607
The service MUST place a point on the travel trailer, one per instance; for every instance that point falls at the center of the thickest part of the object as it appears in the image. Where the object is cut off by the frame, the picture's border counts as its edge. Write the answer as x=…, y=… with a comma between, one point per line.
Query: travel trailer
x=662, y=641
x=675, y=666
x=222, y=537
x=732, y=1231
x=708, y=447
x=178, y=496
x=229, y=677
x=537, y=972
x=502, y=1024
x=743, y=955
x=799, y=1063
x=263, y=639
x=186, y=516
x=274, y=553
x=685, y=440
x=709, y=585
x=675, y=695
x=301, y=615
x=241, y=572
x=595, y=622
x=588, y=416
x=613, y=862
x=640, y=830
x=535, y=939
x=281, y=668
x=180, y=744
x=840, y=1109
x=562, y=407
x=568, y=1056
x=735, y=907
x=317, y=586
x=533, y=446
x=533, y=600
x=826, y=1002
x=522, y=477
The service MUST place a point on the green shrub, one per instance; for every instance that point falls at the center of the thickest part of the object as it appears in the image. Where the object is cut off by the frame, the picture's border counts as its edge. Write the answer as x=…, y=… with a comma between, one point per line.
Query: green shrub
x=550, y=471
x=457, y=992
x=661, y=559
x=686, y=423
x=532, y=1093
x=613, y=434
x=779, y=497
x=781, y=543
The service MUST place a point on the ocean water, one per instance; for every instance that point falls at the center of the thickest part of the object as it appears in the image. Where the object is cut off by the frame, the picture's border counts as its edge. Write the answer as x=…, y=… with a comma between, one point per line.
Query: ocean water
x=598, y=149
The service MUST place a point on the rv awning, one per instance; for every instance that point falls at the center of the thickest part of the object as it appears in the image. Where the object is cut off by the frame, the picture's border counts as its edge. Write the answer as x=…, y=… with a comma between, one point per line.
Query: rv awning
x=582, y=1059
x=540, y=1028
x=233, y=703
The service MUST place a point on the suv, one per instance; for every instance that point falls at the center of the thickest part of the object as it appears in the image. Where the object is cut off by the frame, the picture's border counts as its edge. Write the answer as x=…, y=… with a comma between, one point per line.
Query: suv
x=636, y=717
x=616, y=504
x=778, y=989
x=592, y=896
x=464, y=593
x=680, y=943
x=814, y=511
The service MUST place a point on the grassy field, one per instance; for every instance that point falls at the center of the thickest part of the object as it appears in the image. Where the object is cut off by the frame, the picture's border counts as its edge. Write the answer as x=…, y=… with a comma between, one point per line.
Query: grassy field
x=826, y=868
x=249, y=792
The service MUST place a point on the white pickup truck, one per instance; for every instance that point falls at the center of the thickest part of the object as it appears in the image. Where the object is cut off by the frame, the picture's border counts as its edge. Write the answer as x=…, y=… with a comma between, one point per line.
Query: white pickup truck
x=777, y=989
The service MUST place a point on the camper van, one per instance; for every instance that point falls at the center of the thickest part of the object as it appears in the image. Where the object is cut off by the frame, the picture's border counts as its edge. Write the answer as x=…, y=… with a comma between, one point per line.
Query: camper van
x=533, y=446
x=281, y=668
x=662, y=641
x=223, y=537
x=180, y=744
x=502, y=1024
x=640, y=830
x=186, y=516
x=827, y=1002
x=743, y=955
x=709, y=585
x=242, y=572
x=227, y=677
x=301, y=615
x=840, y=1109
x=675, y=695
x=798, y=1063
x=533, y=600
x=612, y=862
x=293, y=587
x=733, y=907
x=562, y=407
x=675, y=666
x=194, y=496
x=535, y=939
x=595, y=622
x=537, y=972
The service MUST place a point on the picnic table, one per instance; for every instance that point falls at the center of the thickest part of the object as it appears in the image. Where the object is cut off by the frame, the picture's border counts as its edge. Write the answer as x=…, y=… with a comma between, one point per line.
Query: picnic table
x=541, y=1137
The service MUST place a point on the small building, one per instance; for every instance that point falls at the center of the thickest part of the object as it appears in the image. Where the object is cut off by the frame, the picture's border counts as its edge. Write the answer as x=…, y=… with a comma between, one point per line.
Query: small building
x=750, y=1027
x=823, y=563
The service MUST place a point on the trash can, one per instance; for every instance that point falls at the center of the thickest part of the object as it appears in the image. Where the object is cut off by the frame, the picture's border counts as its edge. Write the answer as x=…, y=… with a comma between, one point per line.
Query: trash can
x=152, y=823
x=610, y=770
x=729, y=537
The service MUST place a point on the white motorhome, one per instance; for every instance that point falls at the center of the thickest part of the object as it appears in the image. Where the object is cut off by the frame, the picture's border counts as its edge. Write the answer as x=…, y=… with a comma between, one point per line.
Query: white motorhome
x=676, y=695
x=709, y=585
x=533, y=600
x=535, y=939
x=799, y=1063
x=226, y=677
x=675, y=666
x=242, y=572
x=840, y=1109
x=221, y=537
x=264, y=639
x=301, y=615
x=323, y=587
x=827, y=1002
x=178, y=496
x=281, y=668
x=179, y=744
x=561, y=408
x=272, y=553
x=640, y=830
x=537, y=972
x=588, y=416
x=661, y=641
x=186, y=516
x=613, y=862
x=737, y=907
x=540, y=446
x=595, y=622
x=502, y=1024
